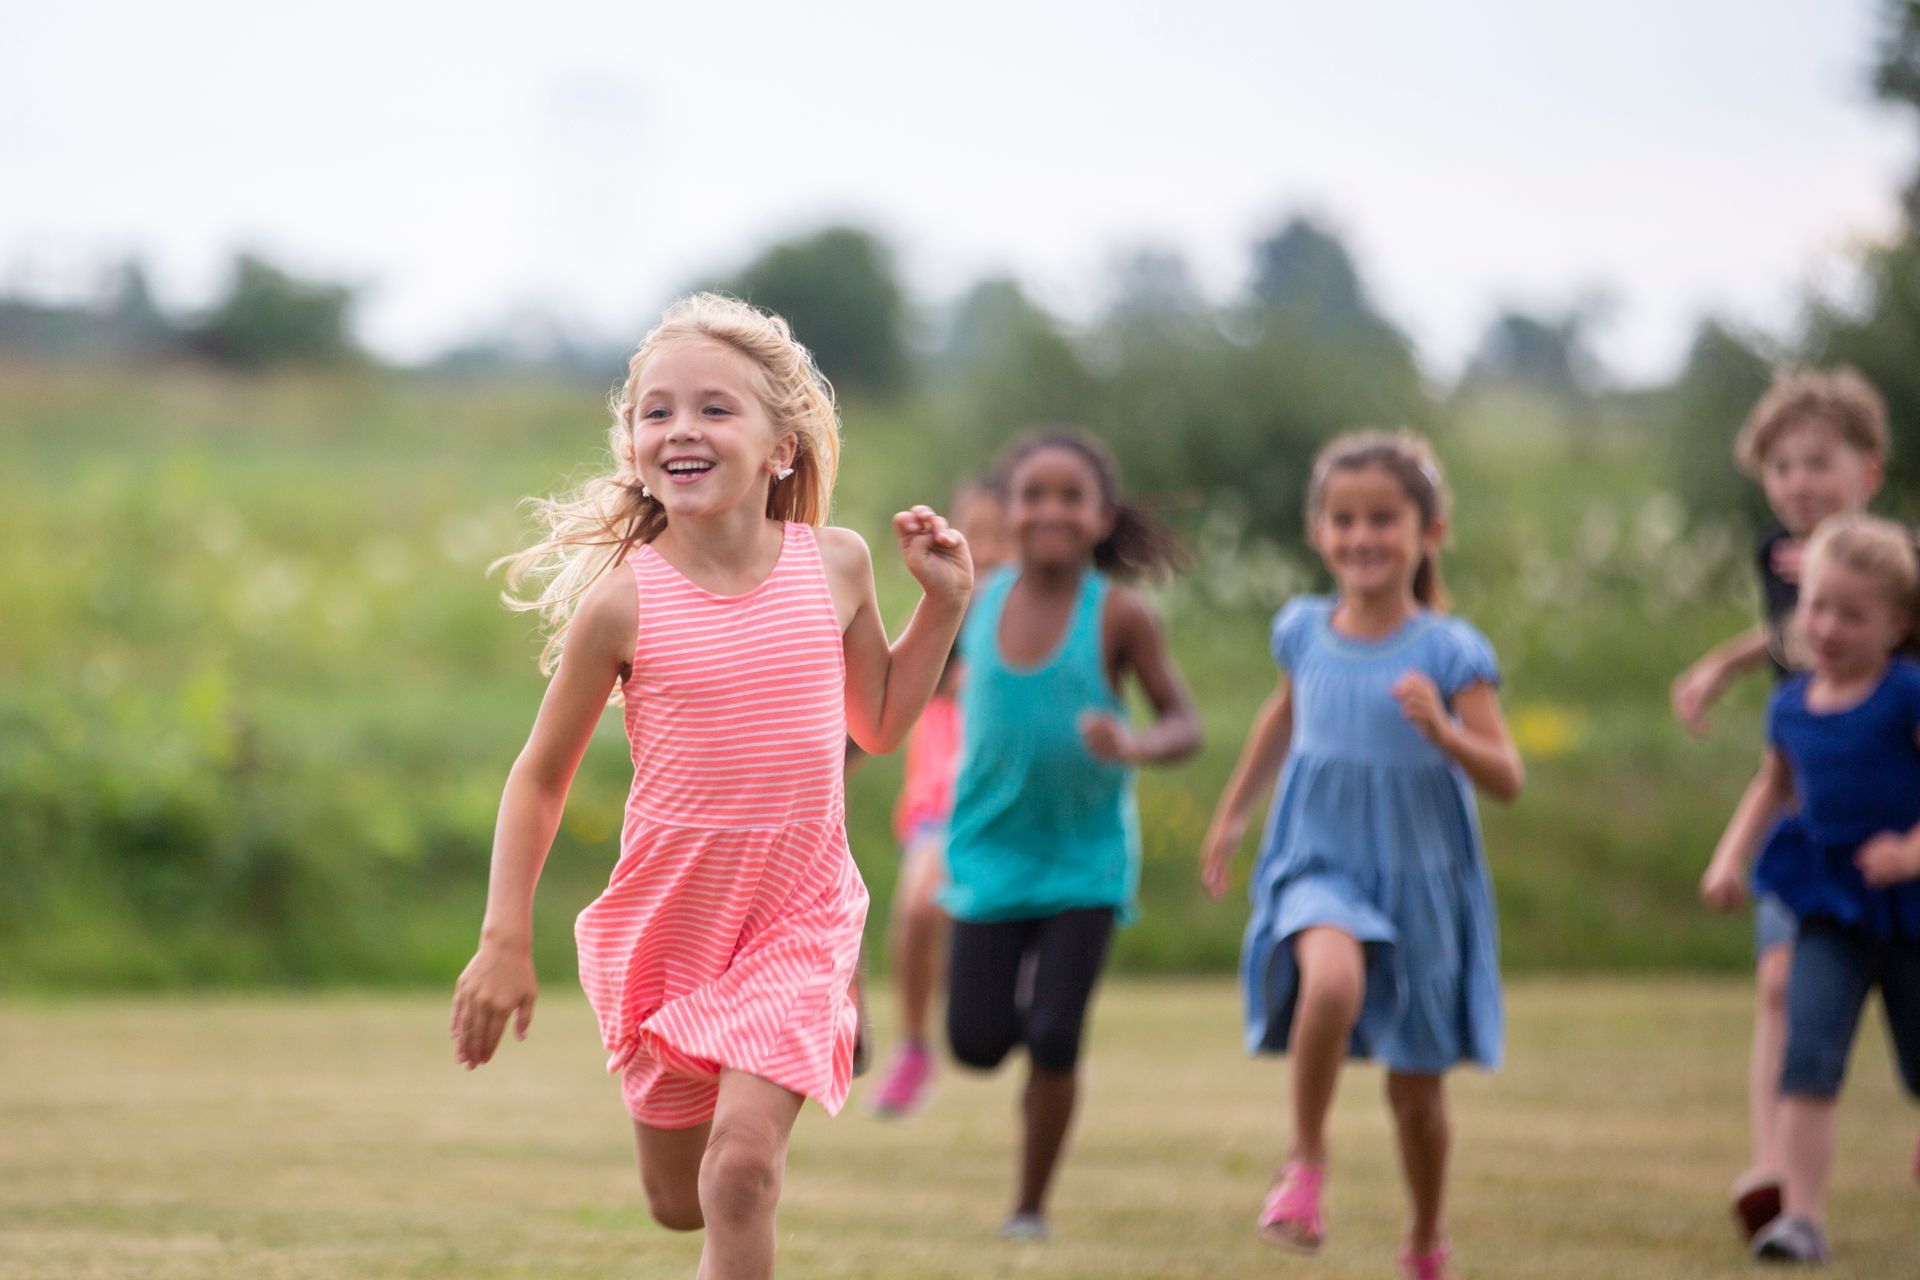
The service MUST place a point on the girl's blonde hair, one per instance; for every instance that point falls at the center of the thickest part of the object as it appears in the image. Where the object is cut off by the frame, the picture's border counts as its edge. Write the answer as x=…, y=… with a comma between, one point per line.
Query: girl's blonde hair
x=1879, y=549
x=1409, y=459
x=596, y=526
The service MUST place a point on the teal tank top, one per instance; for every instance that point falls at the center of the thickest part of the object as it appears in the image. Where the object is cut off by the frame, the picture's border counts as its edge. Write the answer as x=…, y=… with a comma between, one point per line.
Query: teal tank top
x=1039, y=825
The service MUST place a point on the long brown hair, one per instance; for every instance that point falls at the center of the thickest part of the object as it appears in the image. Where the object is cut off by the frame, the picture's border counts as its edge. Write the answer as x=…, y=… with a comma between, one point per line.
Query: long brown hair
x=1409, y=459
x=594, y=527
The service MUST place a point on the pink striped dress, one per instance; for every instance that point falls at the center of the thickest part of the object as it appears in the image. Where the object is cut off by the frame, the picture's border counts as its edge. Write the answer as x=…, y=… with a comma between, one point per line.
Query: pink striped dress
x=730, y=929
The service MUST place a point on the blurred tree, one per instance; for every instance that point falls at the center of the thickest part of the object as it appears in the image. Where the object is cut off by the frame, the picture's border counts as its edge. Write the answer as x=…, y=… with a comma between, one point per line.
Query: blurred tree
x=1549, y=355
x=1880, y=335
x=1304, y=270
x=1007, y=366
x=269, y=317
x=839, y=291
x=1723, y=376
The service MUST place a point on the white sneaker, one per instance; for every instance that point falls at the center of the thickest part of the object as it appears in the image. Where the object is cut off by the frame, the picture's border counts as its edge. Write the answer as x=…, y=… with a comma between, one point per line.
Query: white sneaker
x=1028, y=1227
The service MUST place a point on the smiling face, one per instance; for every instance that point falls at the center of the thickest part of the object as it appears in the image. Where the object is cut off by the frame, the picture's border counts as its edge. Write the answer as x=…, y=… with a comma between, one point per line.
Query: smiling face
x=1369, y=531
x=1847, y=619
x=1810, y=472
x=702, y=439
x=1056, y=508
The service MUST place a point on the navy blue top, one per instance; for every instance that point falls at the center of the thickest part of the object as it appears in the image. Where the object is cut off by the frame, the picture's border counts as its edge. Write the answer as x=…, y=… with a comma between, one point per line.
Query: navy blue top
x=1857, y=774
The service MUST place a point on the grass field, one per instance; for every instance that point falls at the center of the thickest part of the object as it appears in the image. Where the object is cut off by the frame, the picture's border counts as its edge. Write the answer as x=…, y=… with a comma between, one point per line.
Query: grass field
x=333, y=1137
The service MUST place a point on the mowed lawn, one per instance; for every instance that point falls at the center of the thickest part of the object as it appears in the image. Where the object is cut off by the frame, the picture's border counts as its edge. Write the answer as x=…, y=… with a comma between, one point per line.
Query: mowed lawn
x=332, y=1136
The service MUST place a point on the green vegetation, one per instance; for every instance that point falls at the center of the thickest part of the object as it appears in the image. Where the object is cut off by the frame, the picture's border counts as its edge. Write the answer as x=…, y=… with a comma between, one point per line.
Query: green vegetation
x=258, y=698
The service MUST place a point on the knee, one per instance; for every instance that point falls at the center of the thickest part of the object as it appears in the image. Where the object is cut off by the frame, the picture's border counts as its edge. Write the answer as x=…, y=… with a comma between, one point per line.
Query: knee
x=1054, y=1047
x=675, y=1207
x=1416, y=1101
x=1332, y=991
x=973, y=1048
x=1771, y=985
x=740, y=1175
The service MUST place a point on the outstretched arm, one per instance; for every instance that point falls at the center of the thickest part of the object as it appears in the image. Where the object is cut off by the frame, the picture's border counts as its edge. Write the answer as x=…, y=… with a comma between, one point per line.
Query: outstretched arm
x=1696, y=689
x=1724, y=886
x=888, y=686
x=1259, y=763
x=498, y=983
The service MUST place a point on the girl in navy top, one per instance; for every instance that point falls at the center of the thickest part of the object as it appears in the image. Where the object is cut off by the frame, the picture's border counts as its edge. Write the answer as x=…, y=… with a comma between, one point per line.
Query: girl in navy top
x=1844, y=739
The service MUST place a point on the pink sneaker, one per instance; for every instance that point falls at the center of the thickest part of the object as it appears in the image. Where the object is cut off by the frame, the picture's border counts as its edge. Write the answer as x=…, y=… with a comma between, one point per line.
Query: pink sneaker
x=1425, y=1266
x=907, y=1085
x=1291, y=1217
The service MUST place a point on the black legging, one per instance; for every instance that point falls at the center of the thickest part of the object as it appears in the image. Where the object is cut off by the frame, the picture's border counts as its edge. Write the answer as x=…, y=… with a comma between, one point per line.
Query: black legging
x=986, y=1015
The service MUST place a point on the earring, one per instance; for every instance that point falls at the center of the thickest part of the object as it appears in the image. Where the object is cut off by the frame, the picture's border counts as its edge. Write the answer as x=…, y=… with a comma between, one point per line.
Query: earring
x=645, y=492
x=784, y=473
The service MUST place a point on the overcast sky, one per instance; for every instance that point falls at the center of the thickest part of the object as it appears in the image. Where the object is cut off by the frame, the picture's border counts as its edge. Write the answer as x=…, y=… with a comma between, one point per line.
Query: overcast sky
x=467, y=160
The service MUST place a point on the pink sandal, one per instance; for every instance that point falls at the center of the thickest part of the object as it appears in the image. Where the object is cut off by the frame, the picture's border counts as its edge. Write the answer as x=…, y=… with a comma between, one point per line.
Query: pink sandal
x=1291, y=1217
x=1431, y=1265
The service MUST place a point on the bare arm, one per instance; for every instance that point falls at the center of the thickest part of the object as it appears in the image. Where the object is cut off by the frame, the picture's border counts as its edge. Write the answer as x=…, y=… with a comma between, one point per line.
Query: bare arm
x=498, y=982
x=1259, y=764
x=1175, y=732
x=888, y=686
x=1724, y=886
x=1697, y=688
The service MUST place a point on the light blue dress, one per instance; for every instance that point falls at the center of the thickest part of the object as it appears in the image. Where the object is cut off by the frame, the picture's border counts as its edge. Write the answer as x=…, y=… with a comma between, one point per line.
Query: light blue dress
x=1374, y=831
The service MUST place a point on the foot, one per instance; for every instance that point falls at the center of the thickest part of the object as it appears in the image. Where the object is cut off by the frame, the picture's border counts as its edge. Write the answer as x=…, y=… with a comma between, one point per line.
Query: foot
x=1291, y=1217
x=1028, y=1228
x=1431, y=1265
x=1755, y=1203
x=906, y=1085
x=1791, y=1240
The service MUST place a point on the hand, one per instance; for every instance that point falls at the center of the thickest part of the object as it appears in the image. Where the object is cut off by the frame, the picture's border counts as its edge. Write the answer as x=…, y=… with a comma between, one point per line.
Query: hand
x=1108, y=738
x=1420, y=703
x=1787, y=555
x=935, y=554
x=1216, y=856
x=1694, y=690
x=497, y=984
x=1723, y=887
x=1888, y=859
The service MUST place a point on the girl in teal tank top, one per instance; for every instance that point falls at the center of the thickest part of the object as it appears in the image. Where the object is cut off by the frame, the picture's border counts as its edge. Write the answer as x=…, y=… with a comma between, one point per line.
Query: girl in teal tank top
x=1043, y=851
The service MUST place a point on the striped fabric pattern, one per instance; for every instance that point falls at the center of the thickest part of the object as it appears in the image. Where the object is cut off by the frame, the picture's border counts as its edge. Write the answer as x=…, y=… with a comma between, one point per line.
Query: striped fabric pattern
x=730, y=929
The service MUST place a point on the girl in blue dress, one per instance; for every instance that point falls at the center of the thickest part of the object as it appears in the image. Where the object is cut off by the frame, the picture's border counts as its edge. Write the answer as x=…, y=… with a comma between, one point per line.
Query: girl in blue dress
x=1372, y=933
x=1844, y=741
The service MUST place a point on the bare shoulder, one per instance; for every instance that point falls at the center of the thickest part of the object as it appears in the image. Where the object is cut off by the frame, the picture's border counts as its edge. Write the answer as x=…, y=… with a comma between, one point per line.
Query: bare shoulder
x=1130, y=614
x=607, y=619
x=842, y=550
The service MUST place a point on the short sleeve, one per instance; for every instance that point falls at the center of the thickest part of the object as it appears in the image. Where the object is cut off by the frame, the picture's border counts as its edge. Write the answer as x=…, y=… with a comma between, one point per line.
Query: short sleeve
x=1466, y=658
x=1292, y=627
x=1776, y=710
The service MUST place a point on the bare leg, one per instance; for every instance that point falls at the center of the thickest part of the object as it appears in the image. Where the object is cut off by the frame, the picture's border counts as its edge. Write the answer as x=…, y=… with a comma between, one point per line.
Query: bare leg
x=1763, y=1066
x=1806, y=1149
x=1047, y=1109
x=740, y=1176
x=1420, y=1121
x=919, y=936
x=670, y=1173
x=1332, y=982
